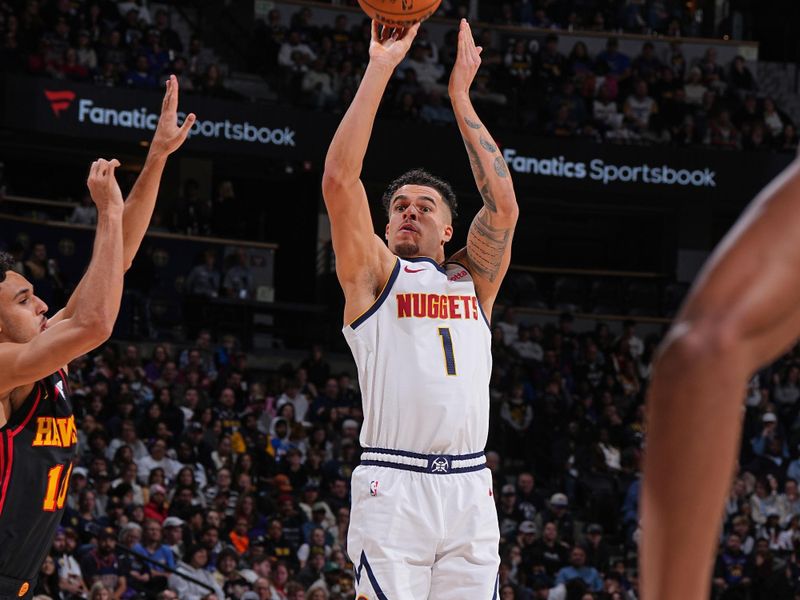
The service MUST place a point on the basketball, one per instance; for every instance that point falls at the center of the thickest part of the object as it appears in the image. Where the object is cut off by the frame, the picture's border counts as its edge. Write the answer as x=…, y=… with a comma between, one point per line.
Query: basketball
x=399, y=13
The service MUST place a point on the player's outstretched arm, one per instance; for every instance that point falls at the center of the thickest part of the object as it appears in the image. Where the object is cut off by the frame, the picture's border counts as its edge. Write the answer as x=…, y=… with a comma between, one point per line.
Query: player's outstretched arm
x=743, y=312
x=142, y=198
x=362, y=259
x=97, y=301
x=488, y=250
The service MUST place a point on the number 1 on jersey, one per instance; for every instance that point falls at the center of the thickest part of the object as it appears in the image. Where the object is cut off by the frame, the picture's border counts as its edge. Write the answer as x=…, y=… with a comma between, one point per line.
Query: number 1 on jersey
x=56, y=494
x=447, y=346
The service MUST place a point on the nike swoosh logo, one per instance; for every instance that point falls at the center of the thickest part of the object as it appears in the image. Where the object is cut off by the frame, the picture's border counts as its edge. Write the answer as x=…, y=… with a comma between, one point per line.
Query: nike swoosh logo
x=407, y=270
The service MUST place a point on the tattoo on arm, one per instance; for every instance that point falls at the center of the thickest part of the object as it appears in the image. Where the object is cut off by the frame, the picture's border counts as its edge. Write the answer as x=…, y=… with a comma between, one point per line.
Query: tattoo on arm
x=472, y=124
x=487, y=145
x=486, y=245
x=488, y=198
x=500, y=166
x=475, y=161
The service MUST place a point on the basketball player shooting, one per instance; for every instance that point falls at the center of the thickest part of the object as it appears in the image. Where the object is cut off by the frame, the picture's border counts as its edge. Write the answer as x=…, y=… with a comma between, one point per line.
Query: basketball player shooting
x=423, y=523
x=741, y=314
x=38, y=436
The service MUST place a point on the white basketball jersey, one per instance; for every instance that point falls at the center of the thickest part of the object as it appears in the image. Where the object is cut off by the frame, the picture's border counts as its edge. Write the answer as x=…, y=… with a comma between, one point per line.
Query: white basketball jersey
x=423, y=352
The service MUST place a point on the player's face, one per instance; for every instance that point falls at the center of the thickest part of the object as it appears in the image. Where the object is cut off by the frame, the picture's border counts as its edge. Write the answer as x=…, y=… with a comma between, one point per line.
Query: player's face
x=419, y=222
x=22, y=314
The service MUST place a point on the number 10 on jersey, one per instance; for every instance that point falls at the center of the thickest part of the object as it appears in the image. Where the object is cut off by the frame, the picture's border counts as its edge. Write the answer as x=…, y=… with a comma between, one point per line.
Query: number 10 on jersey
x=447, y=347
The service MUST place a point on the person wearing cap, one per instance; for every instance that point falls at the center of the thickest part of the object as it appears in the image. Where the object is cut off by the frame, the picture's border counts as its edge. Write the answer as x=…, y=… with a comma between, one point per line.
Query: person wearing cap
x=69, y=569
x=173, y=535
x=156, y=507
x=321, y=516
x=598, y=555
x=558, y=512
x=508, y=515
x=194, y=565
x=526, y=537
x=102, y=564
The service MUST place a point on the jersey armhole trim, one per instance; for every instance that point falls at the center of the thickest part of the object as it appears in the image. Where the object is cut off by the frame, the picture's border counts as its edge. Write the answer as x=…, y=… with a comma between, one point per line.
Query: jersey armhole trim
x=480, y=306
x=387, y=287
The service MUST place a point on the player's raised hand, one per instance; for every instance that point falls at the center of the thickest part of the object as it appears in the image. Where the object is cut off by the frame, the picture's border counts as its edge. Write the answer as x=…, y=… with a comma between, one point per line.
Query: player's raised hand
x=468, y=60
x=168, y=136
x=388, y=45
x=103, y=186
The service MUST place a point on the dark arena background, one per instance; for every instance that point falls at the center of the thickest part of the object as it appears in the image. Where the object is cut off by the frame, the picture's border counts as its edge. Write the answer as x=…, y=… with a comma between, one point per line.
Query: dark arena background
x=223, y=415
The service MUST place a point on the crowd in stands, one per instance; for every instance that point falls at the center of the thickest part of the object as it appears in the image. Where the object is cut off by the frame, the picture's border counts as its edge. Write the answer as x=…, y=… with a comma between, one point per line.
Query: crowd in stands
x=667, y=17
x=105, y=43
x=239, y=478
x=536, y=85
x=530, y=83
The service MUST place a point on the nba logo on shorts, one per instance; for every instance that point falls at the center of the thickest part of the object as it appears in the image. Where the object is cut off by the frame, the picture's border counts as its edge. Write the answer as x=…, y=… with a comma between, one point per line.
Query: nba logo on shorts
x=373, y=488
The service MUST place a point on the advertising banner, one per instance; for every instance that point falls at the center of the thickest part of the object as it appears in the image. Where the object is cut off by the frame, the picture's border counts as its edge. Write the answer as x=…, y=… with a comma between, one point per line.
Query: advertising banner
x=88, y=111
x=559, y=168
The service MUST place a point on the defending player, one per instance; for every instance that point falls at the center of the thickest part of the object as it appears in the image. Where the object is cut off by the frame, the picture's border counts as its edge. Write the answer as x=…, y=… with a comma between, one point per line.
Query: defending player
x=37, y=427
x=424, y=523
x=742, y=313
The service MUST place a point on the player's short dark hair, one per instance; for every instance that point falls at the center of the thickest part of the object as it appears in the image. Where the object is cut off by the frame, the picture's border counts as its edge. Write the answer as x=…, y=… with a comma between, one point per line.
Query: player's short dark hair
x=6, y=264
x=422, y=177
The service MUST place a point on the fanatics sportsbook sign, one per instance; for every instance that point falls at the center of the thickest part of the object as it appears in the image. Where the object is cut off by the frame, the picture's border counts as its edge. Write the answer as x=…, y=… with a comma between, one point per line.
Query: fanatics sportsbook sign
x=557, y=168
x=71, y=109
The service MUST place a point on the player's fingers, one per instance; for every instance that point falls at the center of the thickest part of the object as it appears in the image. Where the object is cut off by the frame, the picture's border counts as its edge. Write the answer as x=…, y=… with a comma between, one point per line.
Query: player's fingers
x=165, y=100
x=173, y=92
x=102, y=167
x=92, y=171
x=411, y=32
x=375, y=32
x=187, y=125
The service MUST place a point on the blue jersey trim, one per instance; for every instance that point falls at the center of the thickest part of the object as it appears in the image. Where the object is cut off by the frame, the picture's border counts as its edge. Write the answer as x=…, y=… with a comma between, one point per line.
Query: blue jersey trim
x=380, y=299
x=439, y=267
x=364, y=564
x=496, y=587
x=415, y=469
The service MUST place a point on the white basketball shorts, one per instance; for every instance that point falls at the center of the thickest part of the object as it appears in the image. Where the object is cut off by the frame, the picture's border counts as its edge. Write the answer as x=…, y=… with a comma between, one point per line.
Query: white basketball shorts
x=423, y=527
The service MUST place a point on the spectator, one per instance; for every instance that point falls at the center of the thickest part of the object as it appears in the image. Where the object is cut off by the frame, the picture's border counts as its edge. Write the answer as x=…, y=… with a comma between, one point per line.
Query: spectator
x=153, y=548
x=195, y=568
x=204, y=279
x=428, y=74
x=577, y=569
x=613, y=62
x=102, y=565
x=85, y=213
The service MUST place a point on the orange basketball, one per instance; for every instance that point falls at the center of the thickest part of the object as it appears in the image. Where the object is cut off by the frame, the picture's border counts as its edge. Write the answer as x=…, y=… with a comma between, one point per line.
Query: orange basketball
x=399, y=13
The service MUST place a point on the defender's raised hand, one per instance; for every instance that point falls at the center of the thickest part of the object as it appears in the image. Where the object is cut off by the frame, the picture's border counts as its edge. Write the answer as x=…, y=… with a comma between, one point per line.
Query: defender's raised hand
x=103, y=186
x=468, y=60
x=168, y=136
x=389, y=46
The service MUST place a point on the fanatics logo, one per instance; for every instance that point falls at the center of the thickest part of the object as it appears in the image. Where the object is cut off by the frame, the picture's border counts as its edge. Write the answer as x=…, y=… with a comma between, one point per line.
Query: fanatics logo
x=59, y=100
x=373, y=488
